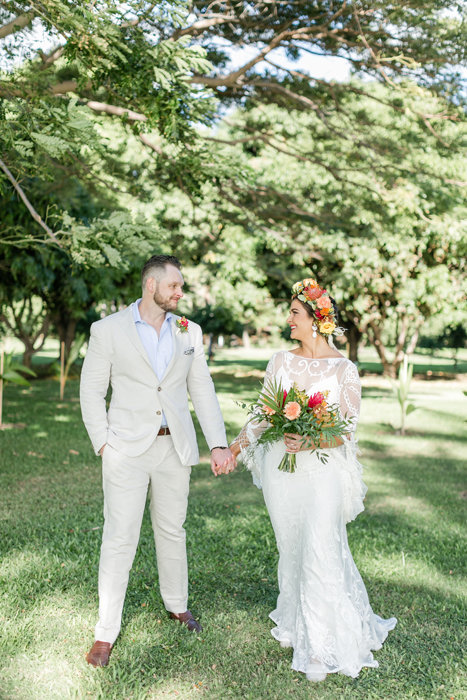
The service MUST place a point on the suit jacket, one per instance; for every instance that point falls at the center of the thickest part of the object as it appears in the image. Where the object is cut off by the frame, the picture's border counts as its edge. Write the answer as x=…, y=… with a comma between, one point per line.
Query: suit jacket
x=132, y=421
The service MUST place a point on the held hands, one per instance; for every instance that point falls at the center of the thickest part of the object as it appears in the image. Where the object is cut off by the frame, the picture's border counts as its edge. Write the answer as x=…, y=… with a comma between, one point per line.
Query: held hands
x=222, y=461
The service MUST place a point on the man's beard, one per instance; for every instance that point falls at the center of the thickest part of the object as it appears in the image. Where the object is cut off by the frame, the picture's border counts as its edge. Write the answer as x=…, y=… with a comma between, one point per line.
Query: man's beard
x=164, y=304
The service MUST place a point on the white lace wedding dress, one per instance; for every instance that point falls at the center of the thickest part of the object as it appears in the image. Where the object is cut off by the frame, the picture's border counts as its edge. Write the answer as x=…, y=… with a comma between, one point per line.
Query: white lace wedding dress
x=323, y=610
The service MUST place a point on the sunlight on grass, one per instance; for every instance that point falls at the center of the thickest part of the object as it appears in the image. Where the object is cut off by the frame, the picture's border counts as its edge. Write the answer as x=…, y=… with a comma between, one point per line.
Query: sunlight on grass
x=62, y=419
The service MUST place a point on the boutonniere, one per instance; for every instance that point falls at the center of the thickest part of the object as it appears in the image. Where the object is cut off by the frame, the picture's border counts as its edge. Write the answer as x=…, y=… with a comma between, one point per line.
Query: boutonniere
x=182, y=324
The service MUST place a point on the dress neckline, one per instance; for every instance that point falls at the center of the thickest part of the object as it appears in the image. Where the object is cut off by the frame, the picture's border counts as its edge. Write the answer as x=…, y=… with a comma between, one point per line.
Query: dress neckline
x=314, y=359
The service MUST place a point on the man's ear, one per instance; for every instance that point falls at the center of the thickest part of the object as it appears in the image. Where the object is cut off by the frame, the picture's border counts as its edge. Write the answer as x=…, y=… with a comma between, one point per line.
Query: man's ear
x=151, y=285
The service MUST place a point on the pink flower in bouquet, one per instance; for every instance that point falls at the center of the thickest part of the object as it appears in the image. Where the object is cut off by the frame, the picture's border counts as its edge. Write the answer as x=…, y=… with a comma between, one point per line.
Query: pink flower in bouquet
x=268, y=410
x=292, y=410
x=285, y=397
x=315, y=399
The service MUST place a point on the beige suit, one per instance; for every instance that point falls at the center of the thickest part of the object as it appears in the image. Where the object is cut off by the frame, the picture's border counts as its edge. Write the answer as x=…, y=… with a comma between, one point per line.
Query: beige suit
x=136, y=460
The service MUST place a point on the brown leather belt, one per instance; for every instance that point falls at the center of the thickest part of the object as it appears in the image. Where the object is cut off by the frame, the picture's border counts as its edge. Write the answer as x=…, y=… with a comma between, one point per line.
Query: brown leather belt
x=164, y=431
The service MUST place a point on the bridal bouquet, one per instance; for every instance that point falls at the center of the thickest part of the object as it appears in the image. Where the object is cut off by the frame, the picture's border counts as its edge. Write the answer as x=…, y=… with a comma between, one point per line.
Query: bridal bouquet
x=296, y=412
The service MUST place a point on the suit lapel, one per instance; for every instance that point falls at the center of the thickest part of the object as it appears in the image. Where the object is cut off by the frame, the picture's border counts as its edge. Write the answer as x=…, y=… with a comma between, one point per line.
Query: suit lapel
x=130, y=329
x=175, y=345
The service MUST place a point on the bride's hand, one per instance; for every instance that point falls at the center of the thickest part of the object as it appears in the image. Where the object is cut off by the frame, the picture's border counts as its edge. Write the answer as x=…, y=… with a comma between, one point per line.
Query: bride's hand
x=297, y=443
x=235, y=449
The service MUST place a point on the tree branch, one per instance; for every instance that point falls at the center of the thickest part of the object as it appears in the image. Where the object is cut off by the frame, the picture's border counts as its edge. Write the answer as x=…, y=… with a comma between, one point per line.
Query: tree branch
x=116, y=111
x=16, y=24
x=157, y=149
x=201, y=25
x=141, y=18
x=28, y=204
x=232, y=79
x=154, y=147
x=300, y=99
x=53, y=56
x=372, y=53
x=65, y=86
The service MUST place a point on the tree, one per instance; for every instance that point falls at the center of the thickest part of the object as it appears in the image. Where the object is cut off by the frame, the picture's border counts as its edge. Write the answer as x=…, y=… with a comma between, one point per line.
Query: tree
x=374, y=217
x=145, y=65
x=104, y=60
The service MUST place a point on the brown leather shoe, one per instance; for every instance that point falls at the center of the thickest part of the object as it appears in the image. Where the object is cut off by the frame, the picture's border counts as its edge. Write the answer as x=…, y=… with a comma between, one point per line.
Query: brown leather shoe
x=188, y=620
x=99, y=654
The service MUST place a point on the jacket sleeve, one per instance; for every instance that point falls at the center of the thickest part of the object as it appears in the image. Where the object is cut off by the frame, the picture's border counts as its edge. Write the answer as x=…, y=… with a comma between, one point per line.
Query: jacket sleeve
x=95, y=377
x=203, y=395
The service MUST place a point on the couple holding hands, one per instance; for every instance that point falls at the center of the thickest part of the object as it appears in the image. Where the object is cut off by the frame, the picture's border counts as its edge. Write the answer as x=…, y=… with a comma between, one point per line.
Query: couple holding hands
x=153, y=360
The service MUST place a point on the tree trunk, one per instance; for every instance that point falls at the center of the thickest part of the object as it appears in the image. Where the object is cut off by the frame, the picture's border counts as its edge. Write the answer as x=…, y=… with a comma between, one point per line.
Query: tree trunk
x=66, y=330
x=409, y=350
x=24, y=327
x=211, y=347
x=374, y=336
x=246, y=338
x=28, y=353
x=354, y=336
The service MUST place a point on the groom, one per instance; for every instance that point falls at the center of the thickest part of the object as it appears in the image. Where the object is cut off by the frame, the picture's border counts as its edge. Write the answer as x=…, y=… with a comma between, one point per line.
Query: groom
x=146, y=438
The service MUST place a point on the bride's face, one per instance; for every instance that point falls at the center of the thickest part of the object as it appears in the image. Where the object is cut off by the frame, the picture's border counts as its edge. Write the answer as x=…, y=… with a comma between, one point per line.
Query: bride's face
x=300, y=322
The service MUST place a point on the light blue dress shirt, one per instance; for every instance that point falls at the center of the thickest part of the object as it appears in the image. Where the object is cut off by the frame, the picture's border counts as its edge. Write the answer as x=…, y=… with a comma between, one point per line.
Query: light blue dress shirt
x=159, y=348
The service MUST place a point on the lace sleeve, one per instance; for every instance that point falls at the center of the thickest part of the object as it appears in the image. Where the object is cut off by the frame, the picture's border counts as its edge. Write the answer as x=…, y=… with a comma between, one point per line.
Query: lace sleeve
x=350, y=395
x=353, y=486
x=253, y=428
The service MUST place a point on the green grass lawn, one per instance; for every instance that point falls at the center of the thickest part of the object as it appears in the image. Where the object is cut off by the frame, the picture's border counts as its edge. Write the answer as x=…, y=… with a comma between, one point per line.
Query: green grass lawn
x=409, y=545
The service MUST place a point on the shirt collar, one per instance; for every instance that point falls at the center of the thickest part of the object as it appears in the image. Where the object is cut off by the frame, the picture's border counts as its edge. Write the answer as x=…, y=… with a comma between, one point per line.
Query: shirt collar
x=137, y=316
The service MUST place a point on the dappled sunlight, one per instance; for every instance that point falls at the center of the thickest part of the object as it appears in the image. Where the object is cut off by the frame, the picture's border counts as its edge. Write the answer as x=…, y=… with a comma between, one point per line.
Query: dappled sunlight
x=48, y=674
x=407, y=504
x=405, y=568
x=61, y=418
x=17, y=563
x=43, y=638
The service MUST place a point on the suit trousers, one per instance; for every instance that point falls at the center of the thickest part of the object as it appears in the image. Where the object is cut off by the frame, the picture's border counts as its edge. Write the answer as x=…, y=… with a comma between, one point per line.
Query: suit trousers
x=126, y=481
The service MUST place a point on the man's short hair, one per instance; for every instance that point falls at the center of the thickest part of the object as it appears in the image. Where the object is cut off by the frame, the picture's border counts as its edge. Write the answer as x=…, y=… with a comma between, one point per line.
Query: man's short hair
x=155, y=266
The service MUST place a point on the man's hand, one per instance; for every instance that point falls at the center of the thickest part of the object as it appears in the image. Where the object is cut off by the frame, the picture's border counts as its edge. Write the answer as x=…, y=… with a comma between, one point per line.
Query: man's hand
x=222, y=461
x=101, y=451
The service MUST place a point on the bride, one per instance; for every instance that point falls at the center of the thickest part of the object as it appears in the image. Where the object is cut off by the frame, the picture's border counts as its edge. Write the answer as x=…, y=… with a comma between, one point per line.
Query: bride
x=323, y=610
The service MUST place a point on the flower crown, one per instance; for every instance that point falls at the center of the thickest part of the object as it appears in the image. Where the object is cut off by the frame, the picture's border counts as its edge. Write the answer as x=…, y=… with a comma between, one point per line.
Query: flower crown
x=309, y=291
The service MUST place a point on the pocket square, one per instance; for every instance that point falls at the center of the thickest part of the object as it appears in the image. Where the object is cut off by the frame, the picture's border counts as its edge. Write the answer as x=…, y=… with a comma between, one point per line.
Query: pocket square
x=189, y=351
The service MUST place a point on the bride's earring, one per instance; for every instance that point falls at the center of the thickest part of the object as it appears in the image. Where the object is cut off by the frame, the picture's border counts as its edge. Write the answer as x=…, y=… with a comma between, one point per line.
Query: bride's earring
x=314, y=328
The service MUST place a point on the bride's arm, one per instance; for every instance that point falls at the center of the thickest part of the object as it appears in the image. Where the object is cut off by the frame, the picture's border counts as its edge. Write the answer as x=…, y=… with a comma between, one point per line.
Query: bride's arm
x=252, y=429
x=349, y=406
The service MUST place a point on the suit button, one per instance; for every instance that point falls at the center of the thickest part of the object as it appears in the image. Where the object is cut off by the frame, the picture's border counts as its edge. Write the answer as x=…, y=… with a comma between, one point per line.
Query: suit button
x=159, y=388
x=158, y=413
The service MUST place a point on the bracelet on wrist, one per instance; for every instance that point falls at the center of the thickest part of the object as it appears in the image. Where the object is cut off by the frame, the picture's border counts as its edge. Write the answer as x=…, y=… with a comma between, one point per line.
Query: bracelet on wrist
x=219, y=447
